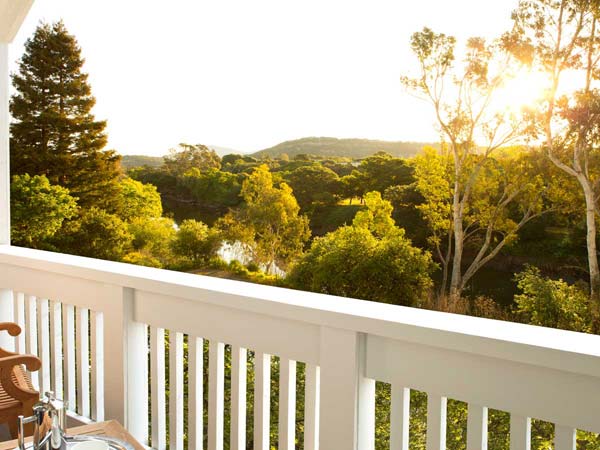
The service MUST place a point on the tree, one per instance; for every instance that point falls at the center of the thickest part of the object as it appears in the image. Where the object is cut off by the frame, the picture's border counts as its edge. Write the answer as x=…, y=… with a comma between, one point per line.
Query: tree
x=314, y=185
x=346, y=261
x=196, y=241
x=96, y=234
x=211, y=188
x=268, y=222
x=153, y=236
x=54, y=132
x=38, y=209
x=462, y=97
x=555, y=37
x=135, y=199
x=382, y=170
x=188, y=156
x=507, y=193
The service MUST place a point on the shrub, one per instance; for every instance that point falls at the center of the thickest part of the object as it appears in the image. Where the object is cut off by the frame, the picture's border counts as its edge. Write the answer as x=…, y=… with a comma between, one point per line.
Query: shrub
x=553, y=303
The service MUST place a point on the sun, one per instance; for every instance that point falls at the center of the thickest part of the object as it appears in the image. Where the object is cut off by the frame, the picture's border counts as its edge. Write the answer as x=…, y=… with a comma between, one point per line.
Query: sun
x=523, y=89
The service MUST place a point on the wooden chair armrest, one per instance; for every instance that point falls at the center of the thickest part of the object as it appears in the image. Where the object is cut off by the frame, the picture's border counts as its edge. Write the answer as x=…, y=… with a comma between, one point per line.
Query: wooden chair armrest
x=12, y=328
x=7, y=367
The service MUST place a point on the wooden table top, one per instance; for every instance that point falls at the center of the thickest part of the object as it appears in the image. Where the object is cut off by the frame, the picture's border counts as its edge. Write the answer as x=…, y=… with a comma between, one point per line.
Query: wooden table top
x=111, y=428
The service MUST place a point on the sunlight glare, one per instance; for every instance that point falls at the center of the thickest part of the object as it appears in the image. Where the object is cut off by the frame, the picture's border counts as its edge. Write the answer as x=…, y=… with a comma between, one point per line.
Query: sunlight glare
x=524, y=89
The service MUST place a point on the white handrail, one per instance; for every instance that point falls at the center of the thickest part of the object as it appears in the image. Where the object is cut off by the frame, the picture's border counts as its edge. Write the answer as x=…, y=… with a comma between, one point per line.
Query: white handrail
x=346, y=344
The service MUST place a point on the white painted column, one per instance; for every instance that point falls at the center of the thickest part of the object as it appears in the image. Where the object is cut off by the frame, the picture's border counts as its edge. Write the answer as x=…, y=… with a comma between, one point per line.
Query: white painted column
x=347, y=413
x=6, y=299
x=126, y=366
x=4, y=153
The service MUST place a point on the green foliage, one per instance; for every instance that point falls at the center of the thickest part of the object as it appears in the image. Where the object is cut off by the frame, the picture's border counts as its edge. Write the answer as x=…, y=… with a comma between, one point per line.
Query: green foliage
x=314, y=186
x=54, y=132
x=154, y=236
x=142, y=258
x=268, y=222
x=179, y=161
x=381, y=171
x=553, y=303
x=38, y=209
x=95, y=233
x=211, y=187
x=377, y=217
x=194, y=240
x=135, y=199
x=348, y=260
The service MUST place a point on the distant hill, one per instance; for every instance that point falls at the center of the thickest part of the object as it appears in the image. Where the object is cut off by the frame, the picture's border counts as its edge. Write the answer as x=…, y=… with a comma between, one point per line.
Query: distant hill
x=222, y=151
x=350, y=148
x=130, y=161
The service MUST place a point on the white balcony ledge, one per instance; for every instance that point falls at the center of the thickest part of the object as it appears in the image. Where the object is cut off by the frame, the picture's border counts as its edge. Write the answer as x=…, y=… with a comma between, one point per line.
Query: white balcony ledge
x=529, y=371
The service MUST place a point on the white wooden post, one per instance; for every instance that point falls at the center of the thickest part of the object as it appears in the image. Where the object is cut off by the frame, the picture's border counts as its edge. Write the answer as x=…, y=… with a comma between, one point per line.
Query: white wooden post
x=6, y=299
x=287, y=404
x=477, y=427
x=400, y=417
x=520, y=432
x=216, y=380
x=347, y=417
x=239, y=369
x=437, y=406
x=196, y=393
x=4, y=151
x=175, y=390
x=565, y=438
x=312, y=407
x=126, y=369
x=262, y=400
x=157, y=387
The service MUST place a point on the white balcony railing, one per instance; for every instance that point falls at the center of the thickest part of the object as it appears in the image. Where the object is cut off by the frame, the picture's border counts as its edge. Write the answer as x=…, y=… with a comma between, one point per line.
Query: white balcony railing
x=96, y=324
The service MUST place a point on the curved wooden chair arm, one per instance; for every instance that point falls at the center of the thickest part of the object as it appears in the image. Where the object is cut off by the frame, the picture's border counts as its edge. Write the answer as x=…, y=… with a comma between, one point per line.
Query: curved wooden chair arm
x=12, y=328
x=7, y=368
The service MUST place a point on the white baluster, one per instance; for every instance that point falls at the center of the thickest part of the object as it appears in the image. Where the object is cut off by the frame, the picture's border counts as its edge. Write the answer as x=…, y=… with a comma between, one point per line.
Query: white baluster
x=157, y=387
x=262, y=400
x=31, y=342
x=565, y=438
x=83, y=364
x=477, y=427
x=56, y=349
x=520, y=432
x=436, y=421
x=175, y=390
x=287, y=404
x=239, y=358
x=7, y=301
x=216, y=381
x=19, y=299
x=69, y=355
x=43, y=327
x=312, y=398
x=400, y=418
x=196, y=393
x=97, y=354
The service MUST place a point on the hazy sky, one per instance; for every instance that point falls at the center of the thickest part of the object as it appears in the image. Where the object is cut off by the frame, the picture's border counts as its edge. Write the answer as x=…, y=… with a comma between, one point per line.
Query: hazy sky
x=249, y=74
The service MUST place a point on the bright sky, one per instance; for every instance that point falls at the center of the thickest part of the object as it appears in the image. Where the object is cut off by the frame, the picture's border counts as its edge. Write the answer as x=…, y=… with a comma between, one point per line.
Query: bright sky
x=250, y=74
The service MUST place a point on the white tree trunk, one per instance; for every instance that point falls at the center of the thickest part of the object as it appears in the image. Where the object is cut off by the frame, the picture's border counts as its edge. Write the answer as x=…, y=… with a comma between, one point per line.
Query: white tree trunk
x=590, y=219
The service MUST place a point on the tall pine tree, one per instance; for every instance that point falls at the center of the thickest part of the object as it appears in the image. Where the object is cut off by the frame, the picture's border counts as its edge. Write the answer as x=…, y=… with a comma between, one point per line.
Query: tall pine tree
x=54, y=131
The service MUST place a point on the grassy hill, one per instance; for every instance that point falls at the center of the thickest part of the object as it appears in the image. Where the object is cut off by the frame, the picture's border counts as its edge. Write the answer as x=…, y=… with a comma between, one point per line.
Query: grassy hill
x=130, y=161
x=351, y=148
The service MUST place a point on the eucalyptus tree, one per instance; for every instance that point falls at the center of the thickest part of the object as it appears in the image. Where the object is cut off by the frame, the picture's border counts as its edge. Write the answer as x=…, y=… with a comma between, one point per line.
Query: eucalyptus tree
x=465, y=97
x=560, y=39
